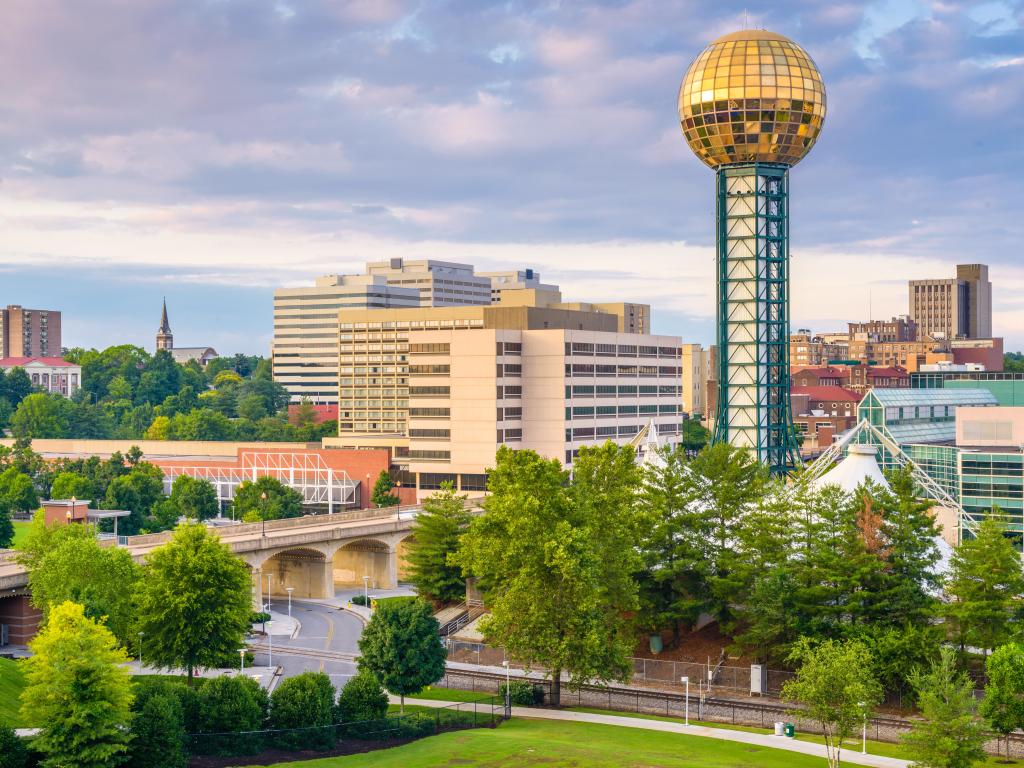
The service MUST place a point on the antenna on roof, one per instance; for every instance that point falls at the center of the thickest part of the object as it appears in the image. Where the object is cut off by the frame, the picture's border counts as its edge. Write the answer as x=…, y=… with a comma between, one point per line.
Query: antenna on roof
x=744, y=18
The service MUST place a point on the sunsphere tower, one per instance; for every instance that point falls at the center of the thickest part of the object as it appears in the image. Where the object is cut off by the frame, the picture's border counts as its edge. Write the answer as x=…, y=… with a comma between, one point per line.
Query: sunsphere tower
x=751, y=106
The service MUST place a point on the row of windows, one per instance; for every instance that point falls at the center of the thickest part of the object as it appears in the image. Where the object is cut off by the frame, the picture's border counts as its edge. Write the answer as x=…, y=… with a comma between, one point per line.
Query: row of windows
x=603, y=411
x=430, y=391
x=415, y=325
x=430, y=370
x=429, y=413
x=621, y=350
x=431, y=434
x=430, y=349
x=509, y=435
x=577, y=369
x=627, y=390
x=429, y=455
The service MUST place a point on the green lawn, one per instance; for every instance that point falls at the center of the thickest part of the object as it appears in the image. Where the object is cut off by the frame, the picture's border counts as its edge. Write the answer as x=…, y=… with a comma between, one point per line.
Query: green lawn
x=522, y=742
x=433, y=693
x=11, y=684
x=20, y=532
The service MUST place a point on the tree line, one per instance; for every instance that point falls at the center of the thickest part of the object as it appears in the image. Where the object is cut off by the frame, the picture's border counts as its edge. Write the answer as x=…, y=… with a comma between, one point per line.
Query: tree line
x=128, y=394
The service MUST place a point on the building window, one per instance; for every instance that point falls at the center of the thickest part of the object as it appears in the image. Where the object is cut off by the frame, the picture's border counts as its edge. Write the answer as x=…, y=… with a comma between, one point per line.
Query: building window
x=430, y=391
x=430, y=434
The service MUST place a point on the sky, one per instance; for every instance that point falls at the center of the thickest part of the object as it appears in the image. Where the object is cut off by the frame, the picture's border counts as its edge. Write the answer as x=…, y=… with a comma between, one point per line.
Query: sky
x=212, y=150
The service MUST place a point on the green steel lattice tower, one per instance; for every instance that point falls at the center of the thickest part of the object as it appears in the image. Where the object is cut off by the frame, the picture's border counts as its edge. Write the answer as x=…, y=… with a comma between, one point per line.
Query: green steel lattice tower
x=751, y=106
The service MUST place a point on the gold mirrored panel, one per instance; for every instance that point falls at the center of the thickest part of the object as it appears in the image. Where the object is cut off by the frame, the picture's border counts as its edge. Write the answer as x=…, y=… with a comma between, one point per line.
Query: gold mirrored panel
x=752, y=96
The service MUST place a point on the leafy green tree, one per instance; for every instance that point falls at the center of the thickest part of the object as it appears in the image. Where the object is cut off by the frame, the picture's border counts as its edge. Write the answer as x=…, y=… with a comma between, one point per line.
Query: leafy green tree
x=949, y=735
x=674, y=576
x=985, y=583
x=280, y=502
x=67, y=485
x=6, y=410
x=382, y=495
x=19, y=386
x=401, y=647
x=17, y=491
x=138, y=491
x=158, y=729
x=695, y=436
x=194, y=601
x=39, y=415
x=194, y=497
x=101, y=579
x=898, y=650
x=6, y=527
x=556, y=564
x=159, y=429
x=304, y=414
x=201, y=424
x=1003, y=705
x=837, y=688
x=13, y=752
x=77, y=688
x=42, y=539
x=251, y=407
x=302, y=708
x=435, y=535
x=161, y=377
x=362, y=699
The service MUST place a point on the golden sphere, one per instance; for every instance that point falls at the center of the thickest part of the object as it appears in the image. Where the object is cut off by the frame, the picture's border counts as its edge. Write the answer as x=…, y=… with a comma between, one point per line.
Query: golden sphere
x=752, y=97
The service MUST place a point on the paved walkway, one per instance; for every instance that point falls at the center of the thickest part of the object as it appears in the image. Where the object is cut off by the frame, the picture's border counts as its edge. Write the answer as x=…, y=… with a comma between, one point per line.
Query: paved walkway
x=724, y=734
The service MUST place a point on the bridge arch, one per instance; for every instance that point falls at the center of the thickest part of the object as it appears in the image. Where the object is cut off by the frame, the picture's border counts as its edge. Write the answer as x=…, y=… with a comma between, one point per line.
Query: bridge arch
x=307, y=570
x=374, y=558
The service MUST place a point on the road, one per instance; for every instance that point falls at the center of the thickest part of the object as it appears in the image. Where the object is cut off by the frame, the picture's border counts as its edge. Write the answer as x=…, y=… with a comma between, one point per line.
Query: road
x=322, y=627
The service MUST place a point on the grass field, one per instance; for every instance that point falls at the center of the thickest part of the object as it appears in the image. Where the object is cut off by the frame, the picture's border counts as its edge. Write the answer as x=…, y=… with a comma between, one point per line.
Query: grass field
x=451, y=694
x=11, y=684
x=20, y=532
x=523, y=742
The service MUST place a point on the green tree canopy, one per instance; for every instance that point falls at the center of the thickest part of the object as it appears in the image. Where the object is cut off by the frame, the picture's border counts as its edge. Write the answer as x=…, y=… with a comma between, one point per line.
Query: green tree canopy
x=77, y=688
x=194, y=498
x=158, y=729
x=17, y=492
x=302, y=711
x=67, y=485
x=194, y=601
x=362, y=699
x=1003, y=705
x=40, y=416
x=280, y=502
x=401, y=647
x=435, y=536
x=382, y=495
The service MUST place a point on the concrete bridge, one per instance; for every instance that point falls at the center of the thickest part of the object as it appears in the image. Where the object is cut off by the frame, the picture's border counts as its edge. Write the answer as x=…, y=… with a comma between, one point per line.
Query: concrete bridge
x=312, y=554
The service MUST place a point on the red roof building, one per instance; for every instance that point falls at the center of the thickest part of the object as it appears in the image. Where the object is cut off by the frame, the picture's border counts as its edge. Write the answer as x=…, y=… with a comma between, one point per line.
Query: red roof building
x=51, y=374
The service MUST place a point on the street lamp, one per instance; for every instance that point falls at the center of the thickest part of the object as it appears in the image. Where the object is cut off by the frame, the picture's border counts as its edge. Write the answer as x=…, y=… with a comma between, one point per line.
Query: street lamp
x=141, y=633
x=269, y=597
x=864, y=730
x=263, y=512
x=289, y=590
x=270, y=638
x=366, y=591
x=241, y=660
x=398, y=485
x=508, y=690
x=369, y=493
x=686, y=681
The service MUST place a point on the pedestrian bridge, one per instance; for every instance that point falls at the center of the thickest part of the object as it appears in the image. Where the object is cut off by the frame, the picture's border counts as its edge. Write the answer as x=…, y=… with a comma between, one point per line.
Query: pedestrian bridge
x=311, y=555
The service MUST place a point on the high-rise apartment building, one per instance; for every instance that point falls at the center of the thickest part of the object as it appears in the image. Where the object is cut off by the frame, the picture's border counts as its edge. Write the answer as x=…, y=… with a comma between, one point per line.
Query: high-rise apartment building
x=696, y=371
x=900, y=328
x=954, y=308
x=444, y=387
x=29, y=332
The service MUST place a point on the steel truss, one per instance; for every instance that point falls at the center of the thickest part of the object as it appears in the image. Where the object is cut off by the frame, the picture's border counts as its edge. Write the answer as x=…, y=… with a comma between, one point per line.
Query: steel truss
x=307, y=473
x=753, y=408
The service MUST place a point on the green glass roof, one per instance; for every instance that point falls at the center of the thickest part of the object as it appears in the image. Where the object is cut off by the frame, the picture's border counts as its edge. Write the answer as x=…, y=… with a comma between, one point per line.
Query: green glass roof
x=912, y=397
x=924, y=432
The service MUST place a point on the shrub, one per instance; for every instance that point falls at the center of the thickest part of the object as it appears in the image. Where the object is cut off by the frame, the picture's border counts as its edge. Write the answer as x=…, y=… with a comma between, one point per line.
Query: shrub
x=304, y=702
x=362, y=600
x=158, y=730
x=415, y=726
x=232, y=705
x=361, y=700
x=258, y=617
x=523, y=693
x=13, y=752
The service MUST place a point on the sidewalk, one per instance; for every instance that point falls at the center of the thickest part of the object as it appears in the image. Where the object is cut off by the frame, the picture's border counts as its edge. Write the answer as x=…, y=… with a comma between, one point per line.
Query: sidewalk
x=723, y=734
x=265, y=676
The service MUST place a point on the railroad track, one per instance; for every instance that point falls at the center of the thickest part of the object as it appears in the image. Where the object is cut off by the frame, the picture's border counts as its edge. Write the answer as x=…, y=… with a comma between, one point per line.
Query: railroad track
x=312, y=653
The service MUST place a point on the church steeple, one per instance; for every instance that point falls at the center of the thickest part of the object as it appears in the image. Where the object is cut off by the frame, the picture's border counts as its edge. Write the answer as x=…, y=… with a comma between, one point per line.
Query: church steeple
x=164, y=337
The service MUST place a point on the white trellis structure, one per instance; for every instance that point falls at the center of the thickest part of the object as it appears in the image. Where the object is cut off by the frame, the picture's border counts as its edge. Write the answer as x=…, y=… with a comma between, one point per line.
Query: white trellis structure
x=306, y=473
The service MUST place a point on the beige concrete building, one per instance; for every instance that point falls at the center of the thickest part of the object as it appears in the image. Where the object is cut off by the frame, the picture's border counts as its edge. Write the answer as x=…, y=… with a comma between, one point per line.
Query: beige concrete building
x=29, y=332
x=439, y=283
x=696, y=368
x=954, y=308
x=514, y=279
x=444, y=387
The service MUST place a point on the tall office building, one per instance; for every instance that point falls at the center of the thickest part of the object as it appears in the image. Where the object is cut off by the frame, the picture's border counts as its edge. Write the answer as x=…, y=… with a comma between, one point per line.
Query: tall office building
x=954, y=308
x=751, y=106
x=29, y=332
x=440, y=283
x=443, y=387
x=515, y=279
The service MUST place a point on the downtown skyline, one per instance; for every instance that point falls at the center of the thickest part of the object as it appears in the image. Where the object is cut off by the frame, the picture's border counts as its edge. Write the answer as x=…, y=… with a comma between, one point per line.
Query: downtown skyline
x=212, y=152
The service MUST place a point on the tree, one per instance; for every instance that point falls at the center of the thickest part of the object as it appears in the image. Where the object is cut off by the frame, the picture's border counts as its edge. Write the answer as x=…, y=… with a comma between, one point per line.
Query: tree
x=159, y=429
x=194, y=601
x=1003, y=705
x=435, y=535
x=251, y=407
x=17, y=492
x=38, y=416
x=194, y=498
x=556, y=564
x=42, y=539
x=280, y=502
x=233, y=705
x=695, y=436
x=836, y=687
x=77, y=689
x=401, y=647
x=158, y=729
x=6, y=527
x=13, y=752
x=304, y=414
x=19, y=385
x=382, y=495
x=68, y=485
x=985, y=583
x=138, y=491
x=302, y=708
x=362, y=699
x=948, y=735
x=101, y=579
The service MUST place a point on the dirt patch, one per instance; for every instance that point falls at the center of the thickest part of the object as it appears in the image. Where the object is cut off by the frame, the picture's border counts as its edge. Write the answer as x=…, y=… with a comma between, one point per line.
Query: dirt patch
x=695, y=647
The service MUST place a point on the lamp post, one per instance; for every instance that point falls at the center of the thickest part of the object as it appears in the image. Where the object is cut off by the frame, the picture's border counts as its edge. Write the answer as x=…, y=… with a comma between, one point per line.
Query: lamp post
x=686, y=681
x=289, y=590
x=241, y=660
x=508, y=691
x=141, y=633
x=263, y=512
x=270, y=639
x=269, y=598
x=366, y=591
x=398, y=485
x=864, y=729
x=369, y=493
